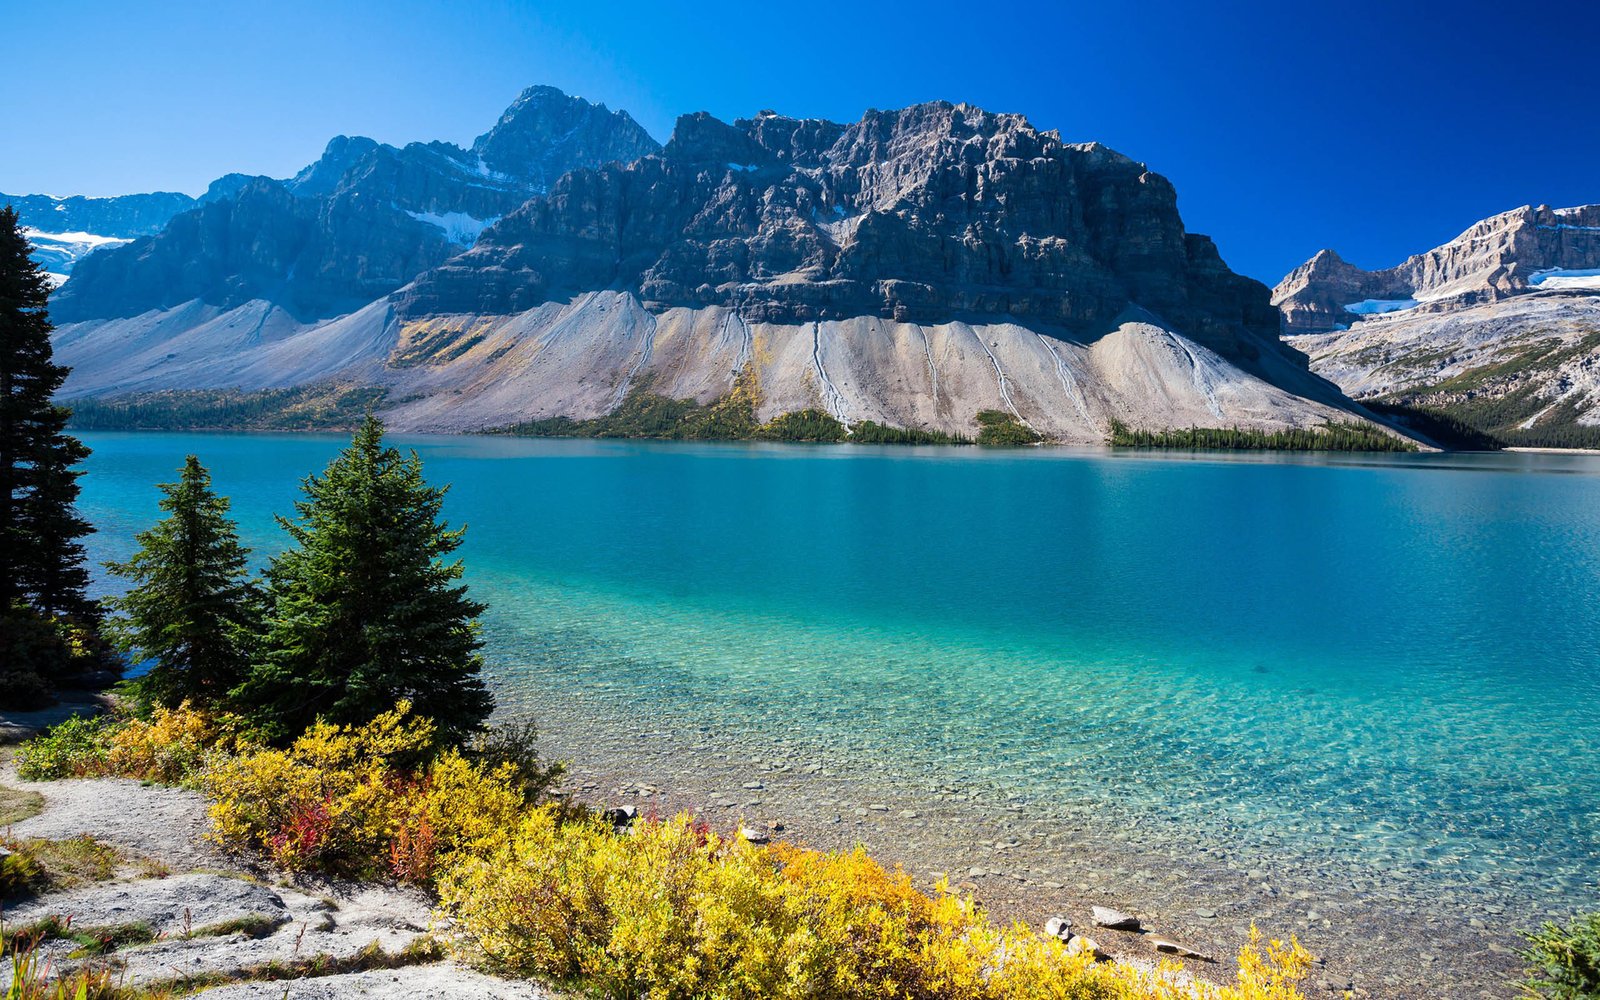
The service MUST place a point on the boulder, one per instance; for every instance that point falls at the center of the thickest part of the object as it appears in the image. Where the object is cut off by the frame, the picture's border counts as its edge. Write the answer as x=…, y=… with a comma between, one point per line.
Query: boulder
x=1058, y=927
x=1105, y=916
x=1168, y=947
x=1078, y=944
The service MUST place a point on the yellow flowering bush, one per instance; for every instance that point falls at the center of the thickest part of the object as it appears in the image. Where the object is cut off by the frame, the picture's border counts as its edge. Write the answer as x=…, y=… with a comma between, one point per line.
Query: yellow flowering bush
x=333, y=799
x=675, y=911
x=351, y=800
x=172, y=747
x=668, y=910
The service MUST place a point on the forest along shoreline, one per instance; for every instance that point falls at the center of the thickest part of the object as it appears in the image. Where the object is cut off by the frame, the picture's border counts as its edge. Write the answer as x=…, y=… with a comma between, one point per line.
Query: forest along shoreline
x=1370, y=930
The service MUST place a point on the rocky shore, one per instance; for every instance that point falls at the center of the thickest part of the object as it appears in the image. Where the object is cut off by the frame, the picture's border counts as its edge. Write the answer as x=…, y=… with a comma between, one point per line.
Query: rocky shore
x=1377, y=936
x=1132, y=893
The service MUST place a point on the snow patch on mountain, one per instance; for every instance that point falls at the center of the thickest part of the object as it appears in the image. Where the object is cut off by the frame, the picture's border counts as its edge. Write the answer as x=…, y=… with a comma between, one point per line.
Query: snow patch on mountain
x=458, y=227
x=1559, y=277
x=60, y=252
x=92, y=240
x=1369, y=307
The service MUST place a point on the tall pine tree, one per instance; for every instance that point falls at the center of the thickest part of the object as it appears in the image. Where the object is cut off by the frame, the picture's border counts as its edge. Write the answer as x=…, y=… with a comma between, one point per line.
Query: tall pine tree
x=365, y=609
x=191, y=607
x=41, y=559
x=47, y=634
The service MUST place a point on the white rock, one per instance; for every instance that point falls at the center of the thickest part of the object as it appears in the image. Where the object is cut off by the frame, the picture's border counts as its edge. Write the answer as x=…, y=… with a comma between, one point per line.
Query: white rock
x=1116, y=920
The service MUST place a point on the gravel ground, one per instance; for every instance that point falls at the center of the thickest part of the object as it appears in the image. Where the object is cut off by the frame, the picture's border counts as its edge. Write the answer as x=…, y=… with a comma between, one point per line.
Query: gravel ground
x=208, y=888
x=163, y=824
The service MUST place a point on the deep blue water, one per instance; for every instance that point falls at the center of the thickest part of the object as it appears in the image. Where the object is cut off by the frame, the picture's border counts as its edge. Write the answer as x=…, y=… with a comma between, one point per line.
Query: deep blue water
x=1390, y=659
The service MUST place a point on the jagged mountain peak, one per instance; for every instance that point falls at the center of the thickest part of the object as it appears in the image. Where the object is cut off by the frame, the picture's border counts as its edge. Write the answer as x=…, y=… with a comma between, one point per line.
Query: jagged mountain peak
x=923, y=213
x=1508, y=254
x=323, y=176
x=545, y=133
x=362, y=220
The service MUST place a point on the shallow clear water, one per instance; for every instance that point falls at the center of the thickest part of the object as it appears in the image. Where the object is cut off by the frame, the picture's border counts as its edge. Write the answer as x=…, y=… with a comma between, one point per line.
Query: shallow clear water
x=1386, y=662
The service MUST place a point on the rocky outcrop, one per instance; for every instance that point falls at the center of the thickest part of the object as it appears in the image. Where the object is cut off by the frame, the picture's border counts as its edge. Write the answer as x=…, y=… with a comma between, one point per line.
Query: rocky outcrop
x=928, y=214
x=361, y=221
x=1502, y=256
x=313, y=257
x=124, y=217
x=1498, y=330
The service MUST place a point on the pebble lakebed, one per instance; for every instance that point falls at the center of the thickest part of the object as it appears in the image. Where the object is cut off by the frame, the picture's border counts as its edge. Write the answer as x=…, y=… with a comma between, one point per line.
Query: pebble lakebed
x=1385, y=933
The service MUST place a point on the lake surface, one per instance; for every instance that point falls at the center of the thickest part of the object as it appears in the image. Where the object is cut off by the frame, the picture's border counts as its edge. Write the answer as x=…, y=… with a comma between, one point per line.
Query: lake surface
x=1389, y=664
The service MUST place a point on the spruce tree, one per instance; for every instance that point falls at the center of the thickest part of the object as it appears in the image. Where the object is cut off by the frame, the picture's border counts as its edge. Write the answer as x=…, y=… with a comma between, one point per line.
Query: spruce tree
x=41, y=559
x=191, y=605
x=365, y=609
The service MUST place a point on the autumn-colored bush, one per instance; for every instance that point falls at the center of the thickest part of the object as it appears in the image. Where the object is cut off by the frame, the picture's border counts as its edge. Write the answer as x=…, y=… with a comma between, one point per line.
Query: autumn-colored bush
x=347, y=800
x=172, y=746
x=670, y=909
x=668, y=912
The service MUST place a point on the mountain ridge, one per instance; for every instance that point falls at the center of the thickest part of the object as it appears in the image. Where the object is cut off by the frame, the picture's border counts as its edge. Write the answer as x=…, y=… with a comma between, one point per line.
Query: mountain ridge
x=1497, y=330
x=914, y=268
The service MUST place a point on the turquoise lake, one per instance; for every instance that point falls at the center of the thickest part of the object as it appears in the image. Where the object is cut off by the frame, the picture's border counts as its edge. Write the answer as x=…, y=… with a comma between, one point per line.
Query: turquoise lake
x=1393, y=661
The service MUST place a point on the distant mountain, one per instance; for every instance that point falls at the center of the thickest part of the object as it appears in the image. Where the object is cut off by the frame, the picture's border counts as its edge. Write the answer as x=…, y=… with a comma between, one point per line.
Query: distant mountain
x=912, y=268
x=1498, y=329
x=360, y=222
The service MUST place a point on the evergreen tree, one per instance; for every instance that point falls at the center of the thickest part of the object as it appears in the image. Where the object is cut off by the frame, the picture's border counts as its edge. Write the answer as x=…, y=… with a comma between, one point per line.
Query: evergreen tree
x=47, y=623
x=364, y=609
x=41, y=559
x=191, y=605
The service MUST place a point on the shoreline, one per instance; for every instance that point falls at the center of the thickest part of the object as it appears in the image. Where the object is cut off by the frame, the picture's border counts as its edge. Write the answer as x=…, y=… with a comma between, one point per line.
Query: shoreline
x=1022, y=863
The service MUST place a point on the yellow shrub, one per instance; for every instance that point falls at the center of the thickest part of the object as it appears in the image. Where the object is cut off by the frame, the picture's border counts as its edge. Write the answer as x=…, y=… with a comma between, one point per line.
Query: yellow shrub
x=674, y=911
x=333, y=799
x=171, y=748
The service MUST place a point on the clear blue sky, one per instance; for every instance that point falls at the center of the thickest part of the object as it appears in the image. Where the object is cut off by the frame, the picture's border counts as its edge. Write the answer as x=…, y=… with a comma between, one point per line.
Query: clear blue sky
x=1378, y=129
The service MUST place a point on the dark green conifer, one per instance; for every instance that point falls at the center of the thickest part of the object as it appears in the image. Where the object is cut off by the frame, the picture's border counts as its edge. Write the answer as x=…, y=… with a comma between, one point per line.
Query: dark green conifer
x=365, y=609
x=190, y=609
x=47, y=623
x=41, y=558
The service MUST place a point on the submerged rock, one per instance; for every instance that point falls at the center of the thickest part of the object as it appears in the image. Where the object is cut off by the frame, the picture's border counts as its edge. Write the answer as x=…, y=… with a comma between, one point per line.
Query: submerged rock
x=1167, y=947
x=1115, y=920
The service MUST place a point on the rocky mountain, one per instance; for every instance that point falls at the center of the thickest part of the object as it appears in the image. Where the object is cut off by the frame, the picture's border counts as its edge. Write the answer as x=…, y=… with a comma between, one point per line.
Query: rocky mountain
x=65, y=230
x=924, y=214
x=360, y=222
x=912, y=268
x=1524, y=250
x=1499, y=329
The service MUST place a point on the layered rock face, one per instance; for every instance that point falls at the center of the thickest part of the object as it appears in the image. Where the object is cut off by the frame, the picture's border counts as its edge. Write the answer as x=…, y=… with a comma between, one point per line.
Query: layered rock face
x=935, y=212
x=913, y=268
x=125, y=216
x=1499, y=328
x=1502, y=256
x=360, y=222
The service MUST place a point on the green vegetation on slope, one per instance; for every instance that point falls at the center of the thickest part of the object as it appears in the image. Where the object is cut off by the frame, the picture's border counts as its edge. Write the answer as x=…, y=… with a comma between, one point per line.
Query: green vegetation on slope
x=1488, y=406
x=999, y=429
x=1332, y=436
x=1440, y=427
x=645, y=414
x=319, y=407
